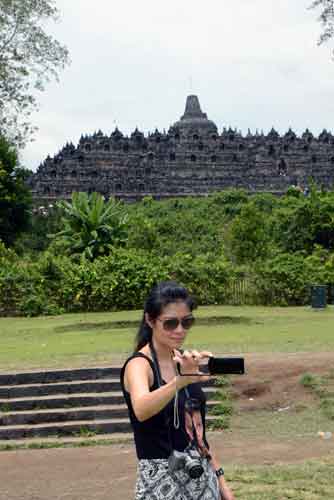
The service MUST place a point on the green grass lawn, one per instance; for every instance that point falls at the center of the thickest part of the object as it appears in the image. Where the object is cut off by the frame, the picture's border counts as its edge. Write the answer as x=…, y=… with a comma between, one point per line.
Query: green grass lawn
x=308, y=481
x=93, y=338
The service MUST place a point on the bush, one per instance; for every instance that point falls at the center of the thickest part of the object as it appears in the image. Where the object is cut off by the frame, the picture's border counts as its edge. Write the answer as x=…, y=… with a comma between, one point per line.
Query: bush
x=123, y=279
x=205, y=276
x=119, y=281
x=285, y=280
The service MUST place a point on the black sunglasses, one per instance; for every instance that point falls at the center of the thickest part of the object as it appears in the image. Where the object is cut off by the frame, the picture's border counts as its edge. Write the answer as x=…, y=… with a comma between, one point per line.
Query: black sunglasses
x=172, y=323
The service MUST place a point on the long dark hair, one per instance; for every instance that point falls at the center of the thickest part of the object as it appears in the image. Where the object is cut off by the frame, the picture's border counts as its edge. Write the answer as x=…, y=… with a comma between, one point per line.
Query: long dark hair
x=161, y=295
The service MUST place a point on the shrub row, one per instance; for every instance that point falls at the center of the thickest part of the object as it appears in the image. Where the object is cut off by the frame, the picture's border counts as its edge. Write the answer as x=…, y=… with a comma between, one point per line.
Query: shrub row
x=52, y=285
x=119, y=281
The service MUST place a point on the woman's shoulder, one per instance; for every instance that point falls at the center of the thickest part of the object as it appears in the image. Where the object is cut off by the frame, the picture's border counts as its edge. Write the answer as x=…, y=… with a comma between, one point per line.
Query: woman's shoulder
x=137, y=365
x=137, y=357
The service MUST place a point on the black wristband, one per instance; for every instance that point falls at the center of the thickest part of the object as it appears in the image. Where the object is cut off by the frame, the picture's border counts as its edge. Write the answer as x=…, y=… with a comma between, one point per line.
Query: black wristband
x=220, y=472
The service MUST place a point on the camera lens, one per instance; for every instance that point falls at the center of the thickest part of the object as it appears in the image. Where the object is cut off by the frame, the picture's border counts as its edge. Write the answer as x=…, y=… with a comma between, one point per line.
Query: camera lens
x=193, y=464
x=195, y=471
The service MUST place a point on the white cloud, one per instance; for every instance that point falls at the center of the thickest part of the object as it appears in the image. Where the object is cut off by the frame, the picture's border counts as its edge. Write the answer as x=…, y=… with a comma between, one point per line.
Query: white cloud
x=253, y=65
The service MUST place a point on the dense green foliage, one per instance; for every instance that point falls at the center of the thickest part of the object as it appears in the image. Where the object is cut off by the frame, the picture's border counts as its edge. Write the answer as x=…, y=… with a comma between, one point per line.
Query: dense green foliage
x=120, y=280
x=15, y=198
x=229, y=248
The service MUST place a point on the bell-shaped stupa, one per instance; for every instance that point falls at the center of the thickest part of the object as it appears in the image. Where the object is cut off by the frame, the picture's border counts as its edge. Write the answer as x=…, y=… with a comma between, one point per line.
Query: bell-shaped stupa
x=194, y=119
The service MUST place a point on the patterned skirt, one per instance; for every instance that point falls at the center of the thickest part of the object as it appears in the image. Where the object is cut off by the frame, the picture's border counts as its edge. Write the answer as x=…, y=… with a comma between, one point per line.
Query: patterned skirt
x=155, y=482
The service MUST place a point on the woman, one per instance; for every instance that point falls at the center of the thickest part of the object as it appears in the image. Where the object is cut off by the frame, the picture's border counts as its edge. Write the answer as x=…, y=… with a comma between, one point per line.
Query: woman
x=167, y=410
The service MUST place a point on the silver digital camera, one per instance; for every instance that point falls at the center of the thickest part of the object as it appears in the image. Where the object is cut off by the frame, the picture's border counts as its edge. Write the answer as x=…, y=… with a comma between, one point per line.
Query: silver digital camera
x=189, y=460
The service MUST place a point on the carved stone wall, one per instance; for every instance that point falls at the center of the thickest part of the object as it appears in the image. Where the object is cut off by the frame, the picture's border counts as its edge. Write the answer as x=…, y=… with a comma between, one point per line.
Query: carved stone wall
x=192, y=158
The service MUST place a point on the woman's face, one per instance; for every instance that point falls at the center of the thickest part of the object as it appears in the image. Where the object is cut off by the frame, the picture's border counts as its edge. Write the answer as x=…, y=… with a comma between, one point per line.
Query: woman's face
x=172, y=333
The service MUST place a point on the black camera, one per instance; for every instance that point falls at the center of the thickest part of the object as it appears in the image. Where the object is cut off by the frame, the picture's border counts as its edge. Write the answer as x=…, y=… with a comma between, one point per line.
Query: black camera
x=225, y=366
x=219, y=366
x=189, y=460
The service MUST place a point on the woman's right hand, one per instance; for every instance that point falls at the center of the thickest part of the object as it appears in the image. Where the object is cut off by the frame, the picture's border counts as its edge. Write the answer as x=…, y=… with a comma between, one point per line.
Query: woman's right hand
x=189, y=363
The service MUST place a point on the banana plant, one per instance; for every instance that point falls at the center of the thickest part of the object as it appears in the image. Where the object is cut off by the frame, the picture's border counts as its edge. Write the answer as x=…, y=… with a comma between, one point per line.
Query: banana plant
x=91, y=225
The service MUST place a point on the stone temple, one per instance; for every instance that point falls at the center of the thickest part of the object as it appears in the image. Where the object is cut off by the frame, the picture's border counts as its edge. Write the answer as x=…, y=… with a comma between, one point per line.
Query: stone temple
x=191, y=159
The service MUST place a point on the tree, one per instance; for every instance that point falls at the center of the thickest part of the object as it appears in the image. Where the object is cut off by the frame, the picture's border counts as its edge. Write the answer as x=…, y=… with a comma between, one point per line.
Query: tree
x=44, y=220
x=28, y=59
x=326, y=18
x=91, y=226
x=15, y=197
x=302, y=223
x=249, y=236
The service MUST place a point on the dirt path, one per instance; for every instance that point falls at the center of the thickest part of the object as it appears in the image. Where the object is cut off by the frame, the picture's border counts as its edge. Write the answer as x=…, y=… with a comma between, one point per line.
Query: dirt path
x=108, y=472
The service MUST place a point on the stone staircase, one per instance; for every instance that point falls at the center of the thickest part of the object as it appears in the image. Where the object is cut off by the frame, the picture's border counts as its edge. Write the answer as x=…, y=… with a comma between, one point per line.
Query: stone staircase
x=77, y=403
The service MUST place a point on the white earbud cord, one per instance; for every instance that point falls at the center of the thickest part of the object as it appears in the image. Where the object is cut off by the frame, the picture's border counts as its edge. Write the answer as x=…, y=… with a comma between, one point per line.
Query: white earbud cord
x=176, y=410
x=176, y=400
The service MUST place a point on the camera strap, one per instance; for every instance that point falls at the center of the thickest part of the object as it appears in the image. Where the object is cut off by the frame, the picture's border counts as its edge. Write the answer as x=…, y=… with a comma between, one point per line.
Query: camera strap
x=194, y=427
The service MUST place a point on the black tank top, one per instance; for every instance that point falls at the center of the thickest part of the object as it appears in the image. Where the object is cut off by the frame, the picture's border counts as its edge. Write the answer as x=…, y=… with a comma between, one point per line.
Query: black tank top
x=151, y=436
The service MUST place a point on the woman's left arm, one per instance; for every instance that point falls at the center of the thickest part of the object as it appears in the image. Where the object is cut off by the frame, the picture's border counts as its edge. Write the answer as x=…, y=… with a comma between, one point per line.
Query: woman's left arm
x=225, y=490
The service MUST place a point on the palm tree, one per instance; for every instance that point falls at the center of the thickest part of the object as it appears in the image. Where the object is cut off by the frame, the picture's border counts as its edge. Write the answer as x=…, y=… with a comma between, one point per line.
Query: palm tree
x=91, y=225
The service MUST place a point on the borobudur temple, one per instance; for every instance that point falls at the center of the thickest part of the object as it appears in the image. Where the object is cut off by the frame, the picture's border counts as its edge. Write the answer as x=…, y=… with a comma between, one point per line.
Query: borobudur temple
x=191, y=159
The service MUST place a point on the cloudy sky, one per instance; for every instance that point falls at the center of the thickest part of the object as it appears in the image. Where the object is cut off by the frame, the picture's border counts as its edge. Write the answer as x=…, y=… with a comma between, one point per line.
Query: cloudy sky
x=253, y=63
